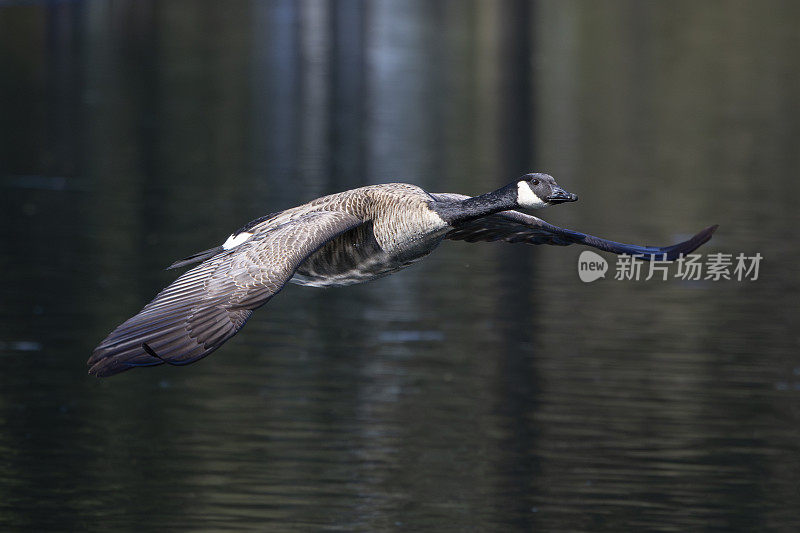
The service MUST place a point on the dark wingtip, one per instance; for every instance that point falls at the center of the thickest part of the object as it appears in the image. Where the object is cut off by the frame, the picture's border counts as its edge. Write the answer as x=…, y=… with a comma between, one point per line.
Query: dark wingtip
x=93, y=363
x=103, y=366
x=98, y=369
x=702, y=237
x=689, y=246
x=108, y=367
x=98, y=373
x=94, y=370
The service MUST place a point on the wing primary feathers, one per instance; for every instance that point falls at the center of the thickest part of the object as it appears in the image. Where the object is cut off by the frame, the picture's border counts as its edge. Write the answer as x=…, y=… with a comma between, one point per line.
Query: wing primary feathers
x=513, y=226
x=210, y=303
x=151, y=352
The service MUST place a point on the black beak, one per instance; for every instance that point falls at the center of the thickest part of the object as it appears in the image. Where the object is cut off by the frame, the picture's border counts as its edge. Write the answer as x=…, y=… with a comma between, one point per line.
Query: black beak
x=559, y=196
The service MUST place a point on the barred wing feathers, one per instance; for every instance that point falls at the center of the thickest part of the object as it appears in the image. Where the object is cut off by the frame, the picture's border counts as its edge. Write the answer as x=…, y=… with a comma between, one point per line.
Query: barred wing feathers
x=210, y=303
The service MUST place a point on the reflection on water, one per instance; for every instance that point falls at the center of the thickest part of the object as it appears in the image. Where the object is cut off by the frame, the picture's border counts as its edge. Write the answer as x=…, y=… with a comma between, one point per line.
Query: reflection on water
x=487, y=387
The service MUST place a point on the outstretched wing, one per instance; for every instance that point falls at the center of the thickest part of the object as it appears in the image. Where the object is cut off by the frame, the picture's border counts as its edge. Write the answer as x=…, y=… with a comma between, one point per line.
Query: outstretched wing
x=513, y=226
x=207, y=305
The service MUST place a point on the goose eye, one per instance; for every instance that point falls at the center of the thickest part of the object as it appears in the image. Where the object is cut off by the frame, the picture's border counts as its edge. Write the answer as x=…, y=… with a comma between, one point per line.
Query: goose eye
x=535, y=182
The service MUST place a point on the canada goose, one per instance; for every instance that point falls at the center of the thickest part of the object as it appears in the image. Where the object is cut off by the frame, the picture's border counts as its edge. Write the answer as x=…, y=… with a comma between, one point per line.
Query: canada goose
x=341, y=239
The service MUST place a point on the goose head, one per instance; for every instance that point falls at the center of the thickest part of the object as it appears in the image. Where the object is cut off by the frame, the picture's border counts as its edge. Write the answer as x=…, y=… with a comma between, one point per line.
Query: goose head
x=535, y=191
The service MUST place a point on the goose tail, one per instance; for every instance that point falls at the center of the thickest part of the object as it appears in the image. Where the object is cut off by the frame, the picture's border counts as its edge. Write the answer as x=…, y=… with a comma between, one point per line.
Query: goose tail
x=197, y=257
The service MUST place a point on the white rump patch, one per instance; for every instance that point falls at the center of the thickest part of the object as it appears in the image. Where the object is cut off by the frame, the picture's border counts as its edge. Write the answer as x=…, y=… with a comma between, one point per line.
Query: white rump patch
x=235, y=240
x=527, y=198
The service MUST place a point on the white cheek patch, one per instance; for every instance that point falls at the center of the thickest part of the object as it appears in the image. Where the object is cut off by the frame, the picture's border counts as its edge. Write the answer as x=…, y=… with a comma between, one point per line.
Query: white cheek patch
x=235, y=240
x=527, y=198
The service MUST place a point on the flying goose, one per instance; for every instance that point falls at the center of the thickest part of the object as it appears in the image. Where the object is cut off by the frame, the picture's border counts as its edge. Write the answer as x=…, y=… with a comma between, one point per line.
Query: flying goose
x=350, y=237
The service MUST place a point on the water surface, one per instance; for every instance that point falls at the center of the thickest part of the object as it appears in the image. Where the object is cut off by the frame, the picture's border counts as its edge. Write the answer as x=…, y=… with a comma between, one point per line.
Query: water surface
x=486, y=388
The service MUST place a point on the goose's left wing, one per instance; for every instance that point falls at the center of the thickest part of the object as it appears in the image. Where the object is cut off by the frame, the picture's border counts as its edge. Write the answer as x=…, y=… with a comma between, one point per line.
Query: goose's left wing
x=210, y=303
x=513, y=226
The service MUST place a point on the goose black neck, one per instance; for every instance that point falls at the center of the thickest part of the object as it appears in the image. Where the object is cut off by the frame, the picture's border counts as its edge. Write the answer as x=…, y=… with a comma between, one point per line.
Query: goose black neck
x=457, y=212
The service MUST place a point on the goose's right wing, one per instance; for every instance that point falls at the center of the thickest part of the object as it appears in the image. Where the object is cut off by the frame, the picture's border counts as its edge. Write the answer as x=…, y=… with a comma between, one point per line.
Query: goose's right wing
x=513, y=226
x=207, y=305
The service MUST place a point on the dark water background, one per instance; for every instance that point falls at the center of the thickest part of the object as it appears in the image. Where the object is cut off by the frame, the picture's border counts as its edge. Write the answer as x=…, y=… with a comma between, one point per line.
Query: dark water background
x=487, y=388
